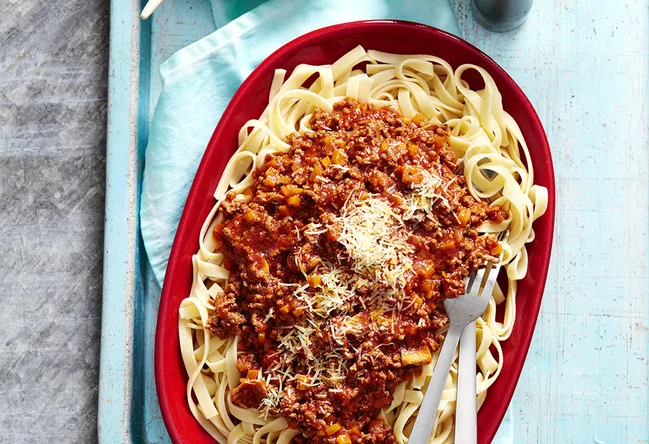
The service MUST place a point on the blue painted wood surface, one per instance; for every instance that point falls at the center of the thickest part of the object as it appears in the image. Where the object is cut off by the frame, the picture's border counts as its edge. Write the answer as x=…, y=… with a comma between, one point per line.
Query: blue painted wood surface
x=584, y=66
x=115, y=377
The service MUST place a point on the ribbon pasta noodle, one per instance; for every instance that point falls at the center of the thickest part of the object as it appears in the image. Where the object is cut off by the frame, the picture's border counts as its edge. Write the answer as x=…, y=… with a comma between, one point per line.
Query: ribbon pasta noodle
x=497, y=167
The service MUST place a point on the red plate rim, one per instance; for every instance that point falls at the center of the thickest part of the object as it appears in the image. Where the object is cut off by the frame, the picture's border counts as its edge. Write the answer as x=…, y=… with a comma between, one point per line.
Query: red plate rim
x=169, y=370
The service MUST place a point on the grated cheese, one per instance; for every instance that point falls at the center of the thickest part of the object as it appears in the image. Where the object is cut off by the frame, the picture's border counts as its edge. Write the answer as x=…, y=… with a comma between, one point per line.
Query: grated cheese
x=420, y=203
x=269, y=316
x=371, y=232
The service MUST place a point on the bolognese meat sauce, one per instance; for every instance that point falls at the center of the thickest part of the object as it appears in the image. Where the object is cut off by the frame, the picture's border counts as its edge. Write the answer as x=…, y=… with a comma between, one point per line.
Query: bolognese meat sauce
x=340, y=256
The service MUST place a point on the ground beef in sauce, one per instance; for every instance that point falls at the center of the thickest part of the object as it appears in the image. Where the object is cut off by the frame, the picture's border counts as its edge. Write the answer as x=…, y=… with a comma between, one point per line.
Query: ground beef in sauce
x=249, y=393
x=283, y=247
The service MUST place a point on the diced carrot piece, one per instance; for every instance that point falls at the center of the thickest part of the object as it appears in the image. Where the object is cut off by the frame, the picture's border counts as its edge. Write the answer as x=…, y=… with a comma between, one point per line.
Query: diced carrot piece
x=419, y=356
x=419, y=118
x=314, y=280
x=447, y=245
x=411, y=174
x=315, y=173
x=291, y=190
x=265, y=268
x=294, y=201
x=250, y=216
x=428, y=269
x=464, y=215
x=247, y=194
x=298, y=311
x=343, y=439
x=333, y=428
x=302, y=382
x=338, y=157
x=326, y=161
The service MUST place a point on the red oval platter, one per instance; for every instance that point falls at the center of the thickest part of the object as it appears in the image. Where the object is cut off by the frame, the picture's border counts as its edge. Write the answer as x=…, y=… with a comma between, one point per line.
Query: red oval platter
x=323, y=47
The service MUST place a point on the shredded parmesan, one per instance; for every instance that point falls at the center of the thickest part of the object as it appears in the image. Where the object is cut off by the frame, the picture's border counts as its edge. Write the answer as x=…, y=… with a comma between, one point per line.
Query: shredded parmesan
x=424, y=196
x=371, y=232
x=271, y=401
x=269, y=316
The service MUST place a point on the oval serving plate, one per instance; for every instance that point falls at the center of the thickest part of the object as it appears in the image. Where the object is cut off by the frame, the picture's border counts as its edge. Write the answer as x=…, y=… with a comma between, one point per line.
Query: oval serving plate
x=318, y=48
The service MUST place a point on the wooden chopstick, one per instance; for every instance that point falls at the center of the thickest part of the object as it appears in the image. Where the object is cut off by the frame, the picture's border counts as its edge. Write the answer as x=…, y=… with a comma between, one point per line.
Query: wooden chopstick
x=150, y=6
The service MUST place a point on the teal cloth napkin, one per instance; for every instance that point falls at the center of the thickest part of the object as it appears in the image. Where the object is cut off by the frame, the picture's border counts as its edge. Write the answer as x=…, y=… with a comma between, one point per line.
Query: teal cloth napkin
x=199, y=80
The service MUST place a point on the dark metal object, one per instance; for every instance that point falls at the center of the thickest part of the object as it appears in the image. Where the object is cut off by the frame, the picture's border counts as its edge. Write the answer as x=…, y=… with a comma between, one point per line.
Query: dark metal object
x=501, y=15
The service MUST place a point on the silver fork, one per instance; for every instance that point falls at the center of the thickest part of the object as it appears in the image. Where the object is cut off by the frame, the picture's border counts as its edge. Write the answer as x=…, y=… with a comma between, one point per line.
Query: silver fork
x=461, y=312
x=466, y=410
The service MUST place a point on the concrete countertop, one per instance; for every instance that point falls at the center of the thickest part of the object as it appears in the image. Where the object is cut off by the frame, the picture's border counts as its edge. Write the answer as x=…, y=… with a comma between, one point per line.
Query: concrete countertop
x=53, y=83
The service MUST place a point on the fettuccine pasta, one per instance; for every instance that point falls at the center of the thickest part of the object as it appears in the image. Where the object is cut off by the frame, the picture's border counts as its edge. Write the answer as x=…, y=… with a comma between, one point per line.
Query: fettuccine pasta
x=496, y=164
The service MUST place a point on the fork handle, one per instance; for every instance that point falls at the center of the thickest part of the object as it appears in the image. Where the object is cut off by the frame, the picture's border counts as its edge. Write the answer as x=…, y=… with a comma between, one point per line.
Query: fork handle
x=428, y=411
x=466, y=410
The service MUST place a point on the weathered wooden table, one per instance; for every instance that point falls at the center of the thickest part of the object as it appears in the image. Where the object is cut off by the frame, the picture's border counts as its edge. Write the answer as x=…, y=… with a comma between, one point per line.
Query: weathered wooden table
x=584, y=66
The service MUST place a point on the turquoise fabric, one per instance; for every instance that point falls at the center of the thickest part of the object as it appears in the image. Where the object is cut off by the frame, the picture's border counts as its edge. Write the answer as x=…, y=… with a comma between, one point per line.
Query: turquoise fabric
x=199, y=80
x=225, y=11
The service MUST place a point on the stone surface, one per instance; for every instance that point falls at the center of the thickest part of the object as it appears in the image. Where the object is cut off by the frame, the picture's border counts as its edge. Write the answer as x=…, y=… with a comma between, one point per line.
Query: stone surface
x=53, y=83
